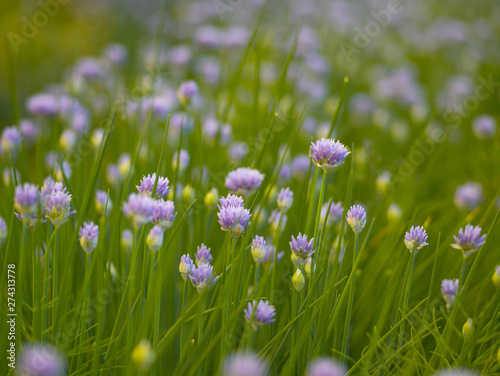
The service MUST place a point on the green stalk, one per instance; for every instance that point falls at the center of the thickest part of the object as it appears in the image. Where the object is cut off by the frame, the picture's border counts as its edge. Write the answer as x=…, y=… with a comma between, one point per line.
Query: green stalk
x=275, y=256
x=350, y=301
x=225, y=308
x=55, y=282
x=462, y=275
x=256, y=281
x=310, y=199
x=45, y=291
x=22, y=252
x=86, y=304
x=316, y=228
x=407, y=296
x=200, y=325
x=183, y=312
x=35, y=286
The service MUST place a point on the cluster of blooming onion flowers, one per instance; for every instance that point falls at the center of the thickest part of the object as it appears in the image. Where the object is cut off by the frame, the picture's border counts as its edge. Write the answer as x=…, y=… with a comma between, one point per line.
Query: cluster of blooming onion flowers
x=201, y=275
x=150, y=207
x=244, y=181
x=259, y=313
x=233, y=216
x=35, y=207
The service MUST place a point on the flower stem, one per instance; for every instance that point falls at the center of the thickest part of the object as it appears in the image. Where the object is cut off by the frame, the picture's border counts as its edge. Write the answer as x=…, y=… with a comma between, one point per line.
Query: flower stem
x=316, y=229
x=462, y=275
x=183, y=310
x=407, y=296
x=351, y=300
x=200, y=325
x=256, y=281
x=55, y=283
x=275, y=257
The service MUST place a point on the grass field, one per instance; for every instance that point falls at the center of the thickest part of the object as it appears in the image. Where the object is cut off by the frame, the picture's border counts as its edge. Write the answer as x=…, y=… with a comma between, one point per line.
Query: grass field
x=126, y=127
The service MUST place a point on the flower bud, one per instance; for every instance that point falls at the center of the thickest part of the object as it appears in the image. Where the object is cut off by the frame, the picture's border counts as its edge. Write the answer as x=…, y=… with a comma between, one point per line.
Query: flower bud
x=468, y=329
x=212, y=198
x=188, y=194
x=496, y=277
x=154, y=240
x=259, y=249
x=298, y=280
x=394, y=213
x=383, y=181
x=143, y=355
x=185, y=266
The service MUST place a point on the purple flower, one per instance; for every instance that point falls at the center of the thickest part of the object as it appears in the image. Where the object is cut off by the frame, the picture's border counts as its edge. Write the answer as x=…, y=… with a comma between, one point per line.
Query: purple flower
x=186, y=266
x=285, y=200
x=285, y=174
x=112, y=174
x=469, y=240
x=244, y=181
x=187, y=90
x=3, y=230
x=300, y=166
x=89, y=234
x=237, y=151
x=139, y=209
x=233, y=218
x=356, y=218
x=258, y=249
x=148, y=182
x=89, y=68
x=157, y=104
x=416, y=239
x=484, y=126
x=259, y=313
x=163, y=213
x=103, y=203
x=180, y=55
x=56, y=203
x=468, y=195
x=203, y=255
x=325, y=367
x=154, y=240
x=50, y=187
x=301, y=248
x=116, y=53
x=79, y=119
x=335, y=214
x=29, y=130
x=43, y=104
x=202, y=277
x=41, y=360
x=11, y=139
x=328, y=153
x=26, y=199
x=449, y=289
x=230, y=200
x=242, y=364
